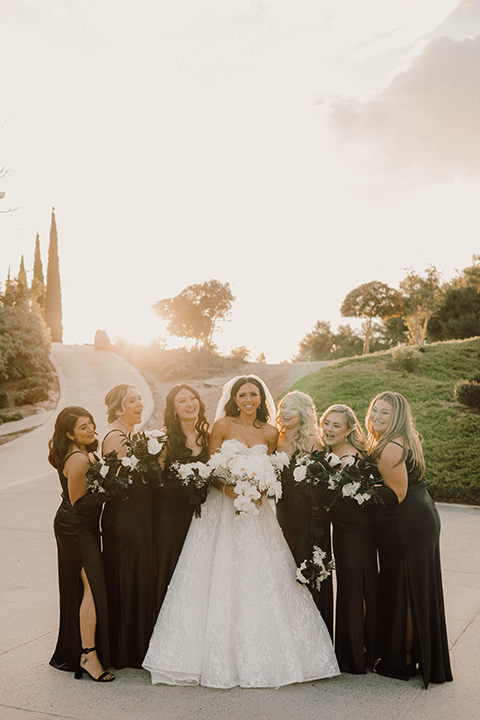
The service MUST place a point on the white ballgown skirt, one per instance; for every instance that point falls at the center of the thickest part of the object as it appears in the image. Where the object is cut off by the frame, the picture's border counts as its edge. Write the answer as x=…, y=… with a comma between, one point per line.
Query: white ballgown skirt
x=234, y=613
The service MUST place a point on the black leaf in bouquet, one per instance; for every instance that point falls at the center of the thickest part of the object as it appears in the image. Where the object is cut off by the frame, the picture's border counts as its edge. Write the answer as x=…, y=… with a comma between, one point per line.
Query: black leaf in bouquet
x=109, y=475
x=143, y=453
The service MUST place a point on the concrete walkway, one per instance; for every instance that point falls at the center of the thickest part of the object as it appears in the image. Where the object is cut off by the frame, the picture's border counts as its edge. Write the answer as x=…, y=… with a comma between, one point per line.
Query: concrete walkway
x=31, y=690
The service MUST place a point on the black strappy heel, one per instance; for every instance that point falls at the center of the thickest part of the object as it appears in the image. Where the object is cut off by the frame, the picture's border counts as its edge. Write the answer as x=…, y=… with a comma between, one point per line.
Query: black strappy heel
x=80, y=670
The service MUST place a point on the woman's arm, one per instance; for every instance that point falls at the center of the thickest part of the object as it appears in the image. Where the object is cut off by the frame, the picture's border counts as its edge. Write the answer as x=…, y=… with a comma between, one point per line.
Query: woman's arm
x=115, y=440
x=75, y=471
x=393, y=470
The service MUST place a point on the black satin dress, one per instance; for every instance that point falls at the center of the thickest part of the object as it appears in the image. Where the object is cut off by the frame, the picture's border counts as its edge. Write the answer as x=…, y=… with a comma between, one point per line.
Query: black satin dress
x=356, y=571
x=77, y=534
x=173, y=515
x=407, y=536
x=297, y=517
x=128, y=548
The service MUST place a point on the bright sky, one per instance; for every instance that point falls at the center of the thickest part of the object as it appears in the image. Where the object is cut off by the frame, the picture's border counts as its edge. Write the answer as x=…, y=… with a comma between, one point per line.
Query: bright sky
x=293, y=149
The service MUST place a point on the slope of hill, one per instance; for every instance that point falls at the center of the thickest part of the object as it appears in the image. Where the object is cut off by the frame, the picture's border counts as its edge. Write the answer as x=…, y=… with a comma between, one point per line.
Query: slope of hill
x=451, y=434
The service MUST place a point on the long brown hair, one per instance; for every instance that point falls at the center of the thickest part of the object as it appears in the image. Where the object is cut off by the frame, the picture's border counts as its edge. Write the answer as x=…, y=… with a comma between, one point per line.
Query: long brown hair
x=401, y=426
x=59, y=444
x=177, y=442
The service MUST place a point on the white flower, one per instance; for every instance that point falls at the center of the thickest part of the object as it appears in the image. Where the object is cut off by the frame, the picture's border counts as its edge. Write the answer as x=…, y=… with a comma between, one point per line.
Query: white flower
x=103, y=470
x=129, y=462
x=350, y=489
x=318, y=555
x=361, y=498
x=299, y=473
x=349, y=460
x=154, y=446
x=333, y=459
x=300, y=577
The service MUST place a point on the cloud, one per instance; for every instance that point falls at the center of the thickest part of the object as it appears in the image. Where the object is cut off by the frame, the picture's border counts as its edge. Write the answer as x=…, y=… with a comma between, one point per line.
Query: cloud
x=426, y=121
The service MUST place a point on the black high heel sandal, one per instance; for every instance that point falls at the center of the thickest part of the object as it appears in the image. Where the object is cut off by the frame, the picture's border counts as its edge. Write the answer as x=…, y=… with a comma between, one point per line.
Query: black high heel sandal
x=80, y=670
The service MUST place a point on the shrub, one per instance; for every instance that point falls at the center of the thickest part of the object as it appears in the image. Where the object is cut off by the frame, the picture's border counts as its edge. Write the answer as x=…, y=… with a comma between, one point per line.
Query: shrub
x=31, y=395
x=467, y=392
x=406, y=357
x=42, y=381
x=24, y=343
x=3, y=399
x=4, y=418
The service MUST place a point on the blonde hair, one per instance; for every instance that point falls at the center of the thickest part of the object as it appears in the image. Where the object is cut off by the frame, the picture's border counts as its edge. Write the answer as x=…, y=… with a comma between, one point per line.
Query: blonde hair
x=115, y=401
x=308, y=431
x=401, y=425
x=354, y=436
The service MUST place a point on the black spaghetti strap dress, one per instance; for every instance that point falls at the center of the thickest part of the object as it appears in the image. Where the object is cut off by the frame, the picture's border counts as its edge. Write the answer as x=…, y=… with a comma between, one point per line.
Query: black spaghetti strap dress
x=297, y=516
x=128, y=548
x=407, y=536
x=173, y=515
x=77, y=534
x=356, y=572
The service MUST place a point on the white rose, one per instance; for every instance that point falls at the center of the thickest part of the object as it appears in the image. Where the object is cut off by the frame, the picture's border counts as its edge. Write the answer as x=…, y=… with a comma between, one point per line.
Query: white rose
x=299, y=473
x=104, y=470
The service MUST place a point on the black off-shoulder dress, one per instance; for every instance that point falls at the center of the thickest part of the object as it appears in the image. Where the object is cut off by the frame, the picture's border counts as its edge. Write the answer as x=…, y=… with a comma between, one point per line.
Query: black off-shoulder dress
x=77, y=534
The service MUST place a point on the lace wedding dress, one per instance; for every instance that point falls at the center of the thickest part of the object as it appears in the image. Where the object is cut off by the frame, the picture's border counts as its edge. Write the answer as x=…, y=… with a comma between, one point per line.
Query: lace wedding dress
x=234, y=613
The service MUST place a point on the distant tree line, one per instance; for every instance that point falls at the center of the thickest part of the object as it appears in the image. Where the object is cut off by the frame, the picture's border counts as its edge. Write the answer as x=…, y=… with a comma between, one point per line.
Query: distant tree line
x=422, y=310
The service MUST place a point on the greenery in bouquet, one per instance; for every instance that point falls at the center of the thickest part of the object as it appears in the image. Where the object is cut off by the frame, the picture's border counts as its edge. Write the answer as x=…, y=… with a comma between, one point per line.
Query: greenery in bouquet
x=109, y=475
x=143, y=452
x=355, y=479
x=189, y=481
x=314, y=570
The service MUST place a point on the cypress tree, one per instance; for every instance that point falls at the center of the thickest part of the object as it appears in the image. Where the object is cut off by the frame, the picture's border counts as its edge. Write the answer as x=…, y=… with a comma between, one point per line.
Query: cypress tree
x=53, y=295
x=38, y=281
x=21, y=294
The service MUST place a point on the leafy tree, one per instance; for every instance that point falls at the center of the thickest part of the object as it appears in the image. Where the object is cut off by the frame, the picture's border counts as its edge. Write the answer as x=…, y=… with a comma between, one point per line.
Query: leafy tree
x=240, y=353
x=261, y=358
x=421, y=297
x=347, y=342
x=24, y=342
x=38, y=281
x=371, y=300
x=469, y=277
x=196, y=311
x=22, y=295
x=53, y=295
x=318, y=344
x=458, y=316
x=393, y=331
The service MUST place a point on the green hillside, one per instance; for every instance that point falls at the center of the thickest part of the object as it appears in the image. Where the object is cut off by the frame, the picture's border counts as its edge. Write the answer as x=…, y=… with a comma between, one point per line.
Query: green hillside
x=451, y=434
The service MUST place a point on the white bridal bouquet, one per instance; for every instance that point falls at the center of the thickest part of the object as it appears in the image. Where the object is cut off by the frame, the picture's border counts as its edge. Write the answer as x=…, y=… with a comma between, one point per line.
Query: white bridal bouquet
x=251, y=470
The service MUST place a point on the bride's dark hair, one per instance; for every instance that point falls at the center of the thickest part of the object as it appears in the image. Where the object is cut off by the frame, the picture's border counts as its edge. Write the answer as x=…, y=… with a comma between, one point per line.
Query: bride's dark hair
x=65, y=423
x=231, y=407
x=177, y=442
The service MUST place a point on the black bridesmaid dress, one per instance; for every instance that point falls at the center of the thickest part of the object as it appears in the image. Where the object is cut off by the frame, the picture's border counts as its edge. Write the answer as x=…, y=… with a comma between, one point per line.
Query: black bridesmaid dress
x=128, y=548
x=77, y=533
x=407, y=536
x=299, y=518
x=356, y=572
x=173, y=515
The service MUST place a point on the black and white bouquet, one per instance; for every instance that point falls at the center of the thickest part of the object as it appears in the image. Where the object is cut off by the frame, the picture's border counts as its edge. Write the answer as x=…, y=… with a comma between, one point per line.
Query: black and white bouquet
x=143, y=452
x=109, y=475
x=190, y=482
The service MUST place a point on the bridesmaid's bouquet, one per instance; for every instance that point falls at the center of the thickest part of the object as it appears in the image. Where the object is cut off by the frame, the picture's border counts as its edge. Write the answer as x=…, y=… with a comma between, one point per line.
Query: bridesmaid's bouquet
x=108, y=475
x=191, y=481
x=252, y=471
x=143, y=453
x=329, y=479
x=315, y=570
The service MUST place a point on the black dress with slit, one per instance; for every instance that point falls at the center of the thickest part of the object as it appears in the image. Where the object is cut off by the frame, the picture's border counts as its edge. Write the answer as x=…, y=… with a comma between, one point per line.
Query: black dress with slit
x=77, y=533
x=173, y=515
x=298, y=517
x=407, y=537
x=128, y=548
x=356, y=572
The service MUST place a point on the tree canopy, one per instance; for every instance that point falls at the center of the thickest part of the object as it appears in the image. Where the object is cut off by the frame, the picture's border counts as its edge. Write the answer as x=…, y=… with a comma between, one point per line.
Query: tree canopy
x=197, y=310
x=371, y=300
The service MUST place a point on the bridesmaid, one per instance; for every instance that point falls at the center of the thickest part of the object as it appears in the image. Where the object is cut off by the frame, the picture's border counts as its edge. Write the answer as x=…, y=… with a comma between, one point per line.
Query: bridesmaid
x=187, y=432
x=128, y=542
x=82, y=643
x=354, y=550
x=411, y=627
x=298, y=433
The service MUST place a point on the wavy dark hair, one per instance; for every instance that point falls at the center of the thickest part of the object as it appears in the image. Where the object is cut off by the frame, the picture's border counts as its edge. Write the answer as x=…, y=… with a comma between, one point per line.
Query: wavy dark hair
x=177, y=442
x=65, y=423
x=231, y=407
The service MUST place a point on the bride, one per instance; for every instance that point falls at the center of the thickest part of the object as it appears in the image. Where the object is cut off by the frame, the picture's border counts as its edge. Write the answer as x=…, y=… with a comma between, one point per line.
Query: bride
x=234, y=613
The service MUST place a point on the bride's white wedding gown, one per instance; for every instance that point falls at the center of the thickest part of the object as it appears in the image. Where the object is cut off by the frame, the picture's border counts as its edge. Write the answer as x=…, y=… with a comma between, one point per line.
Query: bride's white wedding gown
x=234, y=613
